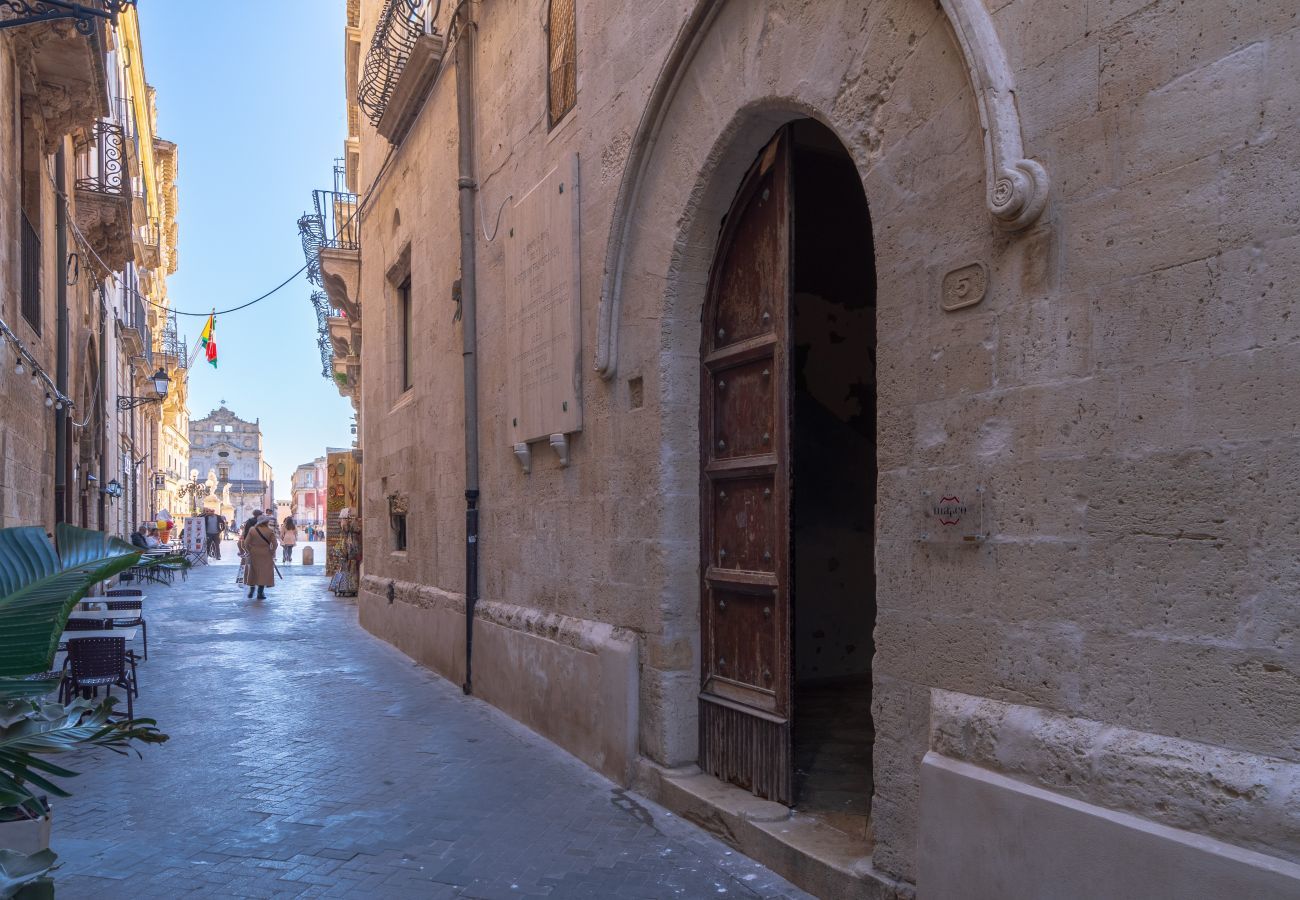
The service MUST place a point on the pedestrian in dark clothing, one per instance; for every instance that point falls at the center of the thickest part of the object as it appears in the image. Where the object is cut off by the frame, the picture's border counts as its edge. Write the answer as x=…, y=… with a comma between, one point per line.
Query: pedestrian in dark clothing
x=138, y=537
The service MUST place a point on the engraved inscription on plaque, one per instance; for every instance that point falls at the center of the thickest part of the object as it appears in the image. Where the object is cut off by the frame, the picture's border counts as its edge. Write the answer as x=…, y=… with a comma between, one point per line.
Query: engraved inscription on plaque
x=965, y=286
x=544, y=313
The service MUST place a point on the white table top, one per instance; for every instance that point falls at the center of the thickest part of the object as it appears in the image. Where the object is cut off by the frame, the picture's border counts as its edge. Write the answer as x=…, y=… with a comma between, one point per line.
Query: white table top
x=128, y=633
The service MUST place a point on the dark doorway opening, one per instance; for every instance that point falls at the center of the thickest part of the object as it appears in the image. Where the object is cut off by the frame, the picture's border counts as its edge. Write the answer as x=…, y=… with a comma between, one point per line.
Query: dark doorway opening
x=833, y=489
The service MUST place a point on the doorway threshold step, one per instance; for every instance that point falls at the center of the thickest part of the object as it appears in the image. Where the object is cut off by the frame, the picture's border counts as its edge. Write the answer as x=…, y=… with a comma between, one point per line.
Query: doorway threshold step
x=807, y=852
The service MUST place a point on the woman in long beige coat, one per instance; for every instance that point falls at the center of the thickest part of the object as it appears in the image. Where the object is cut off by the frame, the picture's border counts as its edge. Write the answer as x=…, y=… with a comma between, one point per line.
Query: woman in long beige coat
x=259, y=543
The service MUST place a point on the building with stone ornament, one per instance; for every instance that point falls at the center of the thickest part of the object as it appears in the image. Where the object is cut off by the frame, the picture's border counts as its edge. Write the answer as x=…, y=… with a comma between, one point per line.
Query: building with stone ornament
x=865, y=426
x=226, y=452
x=89, y=236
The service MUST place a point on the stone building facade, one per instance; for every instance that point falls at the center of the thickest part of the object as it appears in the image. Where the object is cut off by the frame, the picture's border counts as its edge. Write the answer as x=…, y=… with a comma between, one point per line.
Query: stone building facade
x=226, y=451
x=883, y=419
x=309, y=487
x=87, y=240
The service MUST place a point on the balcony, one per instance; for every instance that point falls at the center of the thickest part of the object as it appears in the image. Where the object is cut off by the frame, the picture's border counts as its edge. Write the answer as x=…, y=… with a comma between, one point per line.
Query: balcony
x=170, y=349
x=133, y=329
x=148, y=240
x=331, y=242
x=405, y=55
x=69, y=67
x=103, y=208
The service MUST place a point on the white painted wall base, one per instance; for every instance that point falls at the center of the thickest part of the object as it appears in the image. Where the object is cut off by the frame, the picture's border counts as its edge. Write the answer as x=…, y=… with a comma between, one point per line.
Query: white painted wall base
x=984, y=835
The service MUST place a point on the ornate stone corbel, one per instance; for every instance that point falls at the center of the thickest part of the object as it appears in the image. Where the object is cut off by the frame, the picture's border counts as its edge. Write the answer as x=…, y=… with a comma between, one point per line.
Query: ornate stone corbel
x=560, y=444
x=1016, y=186
x=525, y=456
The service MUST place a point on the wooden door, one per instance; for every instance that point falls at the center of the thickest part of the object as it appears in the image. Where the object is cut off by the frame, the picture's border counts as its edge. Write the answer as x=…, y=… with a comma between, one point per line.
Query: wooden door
x=745, y=697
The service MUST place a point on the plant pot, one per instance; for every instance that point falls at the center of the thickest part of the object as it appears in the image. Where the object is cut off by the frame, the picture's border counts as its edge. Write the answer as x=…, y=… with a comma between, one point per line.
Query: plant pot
x=26, y=835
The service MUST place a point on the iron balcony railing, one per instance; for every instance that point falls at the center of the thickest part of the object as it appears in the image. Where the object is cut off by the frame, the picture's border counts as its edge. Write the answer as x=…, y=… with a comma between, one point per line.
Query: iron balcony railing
x=101, y=159
x=400, y=23
x=320, y=300
x=135, y=316
x=331, y=225
x=31, y=275
x=171, y=344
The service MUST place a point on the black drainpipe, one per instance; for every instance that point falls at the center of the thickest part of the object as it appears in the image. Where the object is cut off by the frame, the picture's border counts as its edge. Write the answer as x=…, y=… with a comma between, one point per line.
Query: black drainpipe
x=62, y=456
x=469, y=321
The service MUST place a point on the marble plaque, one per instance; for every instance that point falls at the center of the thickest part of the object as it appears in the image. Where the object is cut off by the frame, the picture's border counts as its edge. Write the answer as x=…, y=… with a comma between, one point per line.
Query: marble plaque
x=544, y=314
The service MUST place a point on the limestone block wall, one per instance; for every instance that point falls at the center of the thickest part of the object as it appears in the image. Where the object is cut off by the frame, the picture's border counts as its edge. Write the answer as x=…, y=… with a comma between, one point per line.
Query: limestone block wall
x=1123, y=390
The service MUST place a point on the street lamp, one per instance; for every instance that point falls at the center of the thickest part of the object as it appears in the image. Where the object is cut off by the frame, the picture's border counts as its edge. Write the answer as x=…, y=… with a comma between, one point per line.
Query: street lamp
x=113, y=488
x=160, y=382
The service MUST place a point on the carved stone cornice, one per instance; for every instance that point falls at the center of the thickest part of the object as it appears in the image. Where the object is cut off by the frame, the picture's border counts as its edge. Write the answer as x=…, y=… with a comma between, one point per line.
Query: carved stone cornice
x=64, y=76
x=105, y=220
x=341, y=273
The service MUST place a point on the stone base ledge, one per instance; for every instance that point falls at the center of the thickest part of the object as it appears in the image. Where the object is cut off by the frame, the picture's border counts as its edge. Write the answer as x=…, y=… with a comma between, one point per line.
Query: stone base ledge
x=985, y=836
x=572, y=681
x=1246, y=799
x=581, y=634
x=808, y=853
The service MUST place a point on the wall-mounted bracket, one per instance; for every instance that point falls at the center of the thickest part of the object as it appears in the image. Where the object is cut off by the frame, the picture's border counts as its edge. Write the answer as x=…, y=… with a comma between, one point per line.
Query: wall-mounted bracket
x=560, y=444
x=524, y=454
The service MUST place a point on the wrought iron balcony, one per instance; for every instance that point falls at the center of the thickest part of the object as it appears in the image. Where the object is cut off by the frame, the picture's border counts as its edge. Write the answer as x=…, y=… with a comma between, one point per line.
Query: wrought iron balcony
x=405, y=54
x=170, y=347
x=331, y=225
x=87, y=15
x=103, y=209
x=101, y=159
x=320, y=300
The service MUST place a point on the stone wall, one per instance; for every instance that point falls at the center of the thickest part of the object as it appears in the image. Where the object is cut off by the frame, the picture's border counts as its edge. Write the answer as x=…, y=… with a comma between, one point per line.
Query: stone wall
x=1121, y=392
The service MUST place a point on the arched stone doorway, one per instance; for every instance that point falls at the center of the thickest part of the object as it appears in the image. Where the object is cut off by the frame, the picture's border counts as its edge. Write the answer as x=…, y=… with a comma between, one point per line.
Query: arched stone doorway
x=788, y=475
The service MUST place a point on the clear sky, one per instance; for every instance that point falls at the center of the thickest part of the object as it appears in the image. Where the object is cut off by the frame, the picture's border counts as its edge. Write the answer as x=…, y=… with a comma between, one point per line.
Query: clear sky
x=252, y=93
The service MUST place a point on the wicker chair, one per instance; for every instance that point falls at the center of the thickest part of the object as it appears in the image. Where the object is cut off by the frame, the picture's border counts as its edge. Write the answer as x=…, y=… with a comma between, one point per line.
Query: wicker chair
x=136, y=621
x=99, y=662
x=85, y=625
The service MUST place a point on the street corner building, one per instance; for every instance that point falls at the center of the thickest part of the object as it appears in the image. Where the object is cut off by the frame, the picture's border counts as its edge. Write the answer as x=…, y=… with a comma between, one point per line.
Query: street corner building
x=93, y=385
x=865, y=426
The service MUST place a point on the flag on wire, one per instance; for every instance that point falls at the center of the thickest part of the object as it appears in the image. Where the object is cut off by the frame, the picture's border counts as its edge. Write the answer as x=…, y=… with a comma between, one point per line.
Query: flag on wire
x=209, y=343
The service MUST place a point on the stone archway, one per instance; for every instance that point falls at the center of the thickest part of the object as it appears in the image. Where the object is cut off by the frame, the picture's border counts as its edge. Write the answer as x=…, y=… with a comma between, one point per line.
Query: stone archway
x=900, y=100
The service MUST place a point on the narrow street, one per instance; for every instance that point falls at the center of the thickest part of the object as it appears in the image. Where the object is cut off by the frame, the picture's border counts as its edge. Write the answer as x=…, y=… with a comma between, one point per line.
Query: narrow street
x=309, y=759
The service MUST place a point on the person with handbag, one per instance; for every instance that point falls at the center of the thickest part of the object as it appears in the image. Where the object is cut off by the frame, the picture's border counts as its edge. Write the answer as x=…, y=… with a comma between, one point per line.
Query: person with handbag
x=259, y=546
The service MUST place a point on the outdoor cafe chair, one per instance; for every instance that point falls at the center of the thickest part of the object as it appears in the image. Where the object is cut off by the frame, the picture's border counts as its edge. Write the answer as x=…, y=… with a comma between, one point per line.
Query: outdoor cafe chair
x=136, y=621
x=86, y=625
x=99, y=662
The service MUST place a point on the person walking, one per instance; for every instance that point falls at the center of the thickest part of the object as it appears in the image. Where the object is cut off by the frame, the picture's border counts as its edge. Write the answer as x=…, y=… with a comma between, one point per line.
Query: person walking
x=259, y=545
x=212, y=529
x=288, y=537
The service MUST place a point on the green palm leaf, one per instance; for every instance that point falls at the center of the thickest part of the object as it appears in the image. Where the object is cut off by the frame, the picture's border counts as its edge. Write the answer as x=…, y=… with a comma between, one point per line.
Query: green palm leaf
x=39, y=588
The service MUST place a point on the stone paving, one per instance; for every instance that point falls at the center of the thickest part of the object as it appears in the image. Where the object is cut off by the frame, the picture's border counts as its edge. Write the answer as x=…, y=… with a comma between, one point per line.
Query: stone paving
x=308, y=759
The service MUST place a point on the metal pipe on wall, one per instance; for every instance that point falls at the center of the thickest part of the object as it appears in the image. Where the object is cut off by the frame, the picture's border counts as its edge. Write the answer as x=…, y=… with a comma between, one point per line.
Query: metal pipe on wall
x=469, y=322
x=62, y=431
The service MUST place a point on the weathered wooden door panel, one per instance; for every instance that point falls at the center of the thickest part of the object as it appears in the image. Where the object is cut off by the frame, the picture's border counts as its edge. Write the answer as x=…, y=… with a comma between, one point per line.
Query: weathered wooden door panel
x=745, y=698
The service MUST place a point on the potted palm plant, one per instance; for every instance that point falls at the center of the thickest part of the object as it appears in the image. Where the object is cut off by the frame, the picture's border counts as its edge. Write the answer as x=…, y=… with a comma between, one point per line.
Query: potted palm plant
x=39, y=587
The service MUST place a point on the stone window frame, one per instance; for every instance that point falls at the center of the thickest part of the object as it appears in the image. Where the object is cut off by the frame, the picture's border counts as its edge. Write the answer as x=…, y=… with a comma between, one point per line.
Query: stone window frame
x=400, y=284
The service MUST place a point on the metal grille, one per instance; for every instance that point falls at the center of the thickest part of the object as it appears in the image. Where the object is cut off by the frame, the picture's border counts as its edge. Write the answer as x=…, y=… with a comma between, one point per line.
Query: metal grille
x=31, y=275
x=400, y=23
x=321, y=302
x=332, y=225
x=101, y=159
x=562, y=58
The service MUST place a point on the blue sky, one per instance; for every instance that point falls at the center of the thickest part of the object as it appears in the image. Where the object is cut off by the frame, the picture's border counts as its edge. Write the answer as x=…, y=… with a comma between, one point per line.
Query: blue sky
x=252, y=94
